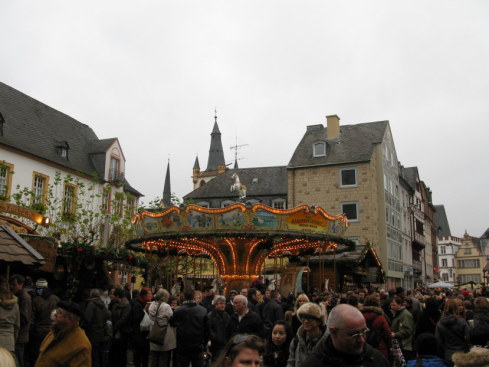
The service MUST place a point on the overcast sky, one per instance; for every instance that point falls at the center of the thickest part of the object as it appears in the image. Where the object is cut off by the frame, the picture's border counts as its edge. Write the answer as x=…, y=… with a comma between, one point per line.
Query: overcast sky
x=152, y=72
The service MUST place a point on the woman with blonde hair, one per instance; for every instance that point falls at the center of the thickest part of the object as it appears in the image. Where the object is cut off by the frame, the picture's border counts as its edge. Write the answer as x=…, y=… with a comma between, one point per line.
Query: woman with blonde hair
x=452, y=331
x=291, y=317
x=160, y=311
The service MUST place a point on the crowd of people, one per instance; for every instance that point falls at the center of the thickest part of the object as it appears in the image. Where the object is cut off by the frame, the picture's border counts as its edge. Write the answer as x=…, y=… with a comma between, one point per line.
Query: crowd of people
x=250, y=326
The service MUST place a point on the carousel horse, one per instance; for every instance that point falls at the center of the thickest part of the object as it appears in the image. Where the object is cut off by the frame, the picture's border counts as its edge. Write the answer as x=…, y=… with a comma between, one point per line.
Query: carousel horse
x=236, y=186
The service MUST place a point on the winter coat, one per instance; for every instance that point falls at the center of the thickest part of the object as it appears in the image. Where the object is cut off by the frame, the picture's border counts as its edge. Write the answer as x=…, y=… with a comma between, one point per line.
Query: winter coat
x=324, y=354
x=95, y=317
x=276, y=356
x=69, y=348
x=403, y=326
x=427, y=361
x=250, y=324
x=477, y=357
x=121, y=317
x=452, y=334
x=42, y=306
x=158, y=313
x=25, y=308
x=137, y=314
x=9, y=323
x=301, y=347
x=272, y=312
x=481, y=318
x=377, y=323
x=190, y=321
x=218, y=325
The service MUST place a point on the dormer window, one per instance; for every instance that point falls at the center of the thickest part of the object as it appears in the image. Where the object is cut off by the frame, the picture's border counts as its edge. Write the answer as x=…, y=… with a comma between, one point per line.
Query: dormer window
x=319, y=149
x=62, y=149
x=63, y=152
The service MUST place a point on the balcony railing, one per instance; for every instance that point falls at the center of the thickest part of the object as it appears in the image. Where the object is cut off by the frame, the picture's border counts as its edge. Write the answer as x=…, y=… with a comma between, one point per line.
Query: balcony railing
x=115, y=175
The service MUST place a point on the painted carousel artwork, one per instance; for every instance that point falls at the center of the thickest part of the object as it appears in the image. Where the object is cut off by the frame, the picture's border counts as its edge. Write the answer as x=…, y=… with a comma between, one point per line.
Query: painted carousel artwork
x=239, y=238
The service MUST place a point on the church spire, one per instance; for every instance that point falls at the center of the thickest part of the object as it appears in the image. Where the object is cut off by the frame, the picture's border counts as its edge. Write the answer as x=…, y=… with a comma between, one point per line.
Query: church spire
x=216, y=153
x=167, y=189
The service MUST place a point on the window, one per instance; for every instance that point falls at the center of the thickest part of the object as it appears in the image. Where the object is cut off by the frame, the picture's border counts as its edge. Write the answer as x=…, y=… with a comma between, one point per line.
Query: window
x=348, y=177
x=467, y=251
x=203, y=204
x=443, y=250
x=119, y=204
x=351, y=211
x=226, y=203
x=278, y=204
x=114, y=169
x=444, y=262
x=444, y=277
x=6, y=171
x=69, y=200
x=469, y=263
x=465, y=278
x=106, y=197
x=39, y=188
x=319, y=149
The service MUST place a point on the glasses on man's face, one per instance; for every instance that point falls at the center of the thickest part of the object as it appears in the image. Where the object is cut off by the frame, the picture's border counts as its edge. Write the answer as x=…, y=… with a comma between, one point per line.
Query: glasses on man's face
x=363, y=333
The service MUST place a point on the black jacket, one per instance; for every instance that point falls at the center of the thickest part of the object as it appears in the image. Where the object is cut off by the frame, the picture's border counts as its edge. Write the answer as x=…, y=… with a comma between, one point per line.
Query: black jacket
x=250, y=324
x=94, y=320
x=272, y=312
x=190, y=321
x=324, y=354
x=218, y=326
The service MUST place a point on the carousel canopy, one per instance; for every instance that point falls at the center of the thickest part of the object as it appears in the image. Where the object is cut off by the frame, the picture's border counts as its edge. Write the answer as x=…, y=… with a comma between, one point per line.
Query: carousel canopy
x=14, y=249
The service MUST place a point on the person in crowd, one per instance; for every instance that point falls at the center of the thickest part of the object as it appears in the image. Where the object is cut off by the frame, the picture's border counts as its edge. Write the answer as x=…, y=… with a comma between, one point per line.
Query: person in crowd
x=352, y=300
x=379, y=335
x=158, y=310
x=230, y=304
x=241, y=350
x=478, y=356
x=429, y=317
x=245, y=321
x=325, y=304
x=481, y=311
x=426, y=347
x=452, y=331
x=139, y=337
x=277, y=345
x=24, y=300
x=178, y=287
x=386, y=305
x=198, y=297
x=121, y=328
x=295, y=323
x=244, y=292
x=9, y=317
x=95, y=318
x=43, y=304
x=307, y=336
x=253, y=295
x=208, y=299
x=272, y=312
x=66, y=343
x=218, y=322
x=192, y=335
x=345, y=345
x=469, y=312
x=402, y=327
x=288, y=303
x=173, y=302
x=415, y=312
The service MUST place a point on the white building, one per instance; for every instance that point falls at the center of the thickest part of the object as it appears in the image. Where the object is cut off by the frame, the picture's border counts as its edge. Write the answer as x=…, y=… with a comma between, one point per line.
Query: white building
x=448, y=246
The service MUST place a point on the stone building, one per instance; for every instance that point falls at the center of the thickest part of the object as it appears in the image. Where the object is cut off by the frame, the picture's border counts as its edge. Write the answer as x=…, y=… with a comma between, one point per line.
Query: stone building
x=470, y=260
x=448, y=246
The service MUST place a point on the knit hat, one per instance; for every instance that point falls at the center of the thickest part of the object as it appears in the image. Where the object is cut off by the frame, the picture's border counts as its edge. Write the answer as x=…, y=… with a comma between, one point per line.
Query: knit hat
x=41, y=283
x=426, y=344
x=72, y=307
x=310, y=309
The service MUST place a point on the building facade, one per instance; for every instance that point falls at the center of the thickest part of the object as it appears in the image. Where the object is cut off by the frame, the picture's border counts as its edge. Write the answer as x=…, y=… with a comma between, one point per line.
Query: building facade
x=470, y=261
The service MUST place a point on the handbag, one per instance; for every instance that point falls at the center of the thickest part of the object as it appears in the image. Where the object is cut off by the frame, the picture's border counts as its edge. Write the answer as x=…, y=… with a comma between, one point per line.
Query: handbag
x=158, y=330
x=397, y=355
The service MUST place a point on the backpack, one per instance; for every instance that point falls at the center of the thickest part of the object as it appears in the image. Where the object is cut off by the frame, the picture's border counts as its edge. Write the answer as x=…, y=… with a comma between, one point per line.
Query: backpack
x=374, y=336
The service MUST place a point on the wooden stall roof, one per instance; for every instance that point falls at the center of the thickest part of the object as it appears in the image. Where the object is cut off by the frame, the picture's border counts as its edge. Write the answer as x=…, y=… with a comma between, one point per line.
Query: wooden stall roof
x=14, y=249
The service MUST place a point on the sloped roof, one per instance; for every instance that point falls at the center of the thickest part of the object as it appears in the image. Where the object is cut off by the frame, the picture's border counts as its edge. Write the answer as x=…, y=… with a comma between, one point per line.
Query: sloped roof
x=485, y=235
x=14, y=249
x=216, y=153
x=441, y=221
x=410, y=174
x=39, y=130
x=269, y=181
x=355, y=143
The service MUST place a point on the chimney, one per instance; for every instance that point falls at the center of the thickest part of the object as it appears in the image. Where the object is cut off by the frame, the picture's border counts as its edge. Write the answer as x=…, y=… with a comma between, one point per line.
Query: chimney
x=333, y=125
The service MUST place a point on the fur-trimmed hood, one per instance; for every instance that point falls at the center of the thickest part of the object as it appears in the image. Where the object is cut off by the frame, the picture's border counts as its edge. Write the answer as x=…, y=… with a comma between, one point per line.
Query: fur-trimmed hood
x=8, y=304
x=373, y=309
x=477, y=357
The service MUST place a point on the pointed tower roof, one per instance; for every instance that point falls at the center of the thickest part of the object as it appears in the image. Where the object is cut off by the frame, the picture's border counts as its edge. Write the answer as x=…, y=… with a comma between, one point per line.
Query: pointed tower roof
x=196, y=164
x=167, y=190
x=216, y=153
x=236, y=164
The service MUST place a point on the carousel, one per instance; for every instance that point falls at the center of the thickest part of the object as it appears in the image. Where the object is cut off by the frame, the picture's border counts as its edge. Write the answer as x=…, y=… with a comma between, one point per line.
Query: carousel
x=239, y=238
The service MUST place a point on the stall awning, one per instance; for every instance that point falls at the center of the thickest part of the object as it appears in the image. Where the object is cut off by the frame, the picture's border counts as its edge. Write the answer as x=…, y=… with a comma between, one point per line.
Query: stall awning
x=14, y=249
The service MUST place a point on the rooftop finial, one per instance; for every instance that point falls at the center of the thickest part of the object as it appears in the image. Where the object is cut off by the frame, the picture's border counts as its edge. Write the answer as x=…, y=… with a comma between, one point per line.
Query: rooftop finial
x=215, y=115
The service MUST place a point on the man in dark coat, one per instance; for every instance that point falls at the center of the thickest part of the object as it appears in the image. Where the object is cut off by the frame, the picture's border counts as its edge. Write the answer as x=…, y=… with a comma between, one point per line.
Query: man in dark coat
x=95, y=317
x=272, y=312
x=121, y=328
x=139, y=338
x=218, y=325
x=192, y=334
x=346, y=343
x=245, y=321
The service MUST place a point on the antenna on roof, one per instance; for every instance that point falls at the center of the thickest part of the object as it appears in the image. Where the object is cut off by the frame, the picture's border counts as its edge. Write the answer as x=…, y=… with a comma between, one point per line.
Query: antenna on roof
x=236, y=147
